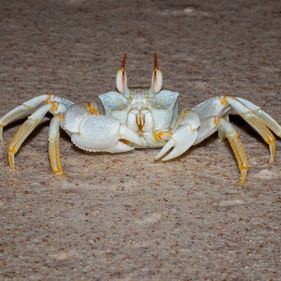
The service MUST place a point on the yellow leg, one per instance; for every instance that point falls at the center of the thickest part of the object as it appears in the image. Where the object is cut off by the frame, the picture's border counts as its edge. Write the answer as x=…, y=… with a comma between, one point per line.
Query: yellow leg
x=221, y=132
x=54, y=155
x=21, y=111
x=23, y=132
x=258, y=124
x=54, y=146
x=240, y=155
x=237, y=148
x=25, y=129
x=270, y=122
x=265, y=117
x=259, y=120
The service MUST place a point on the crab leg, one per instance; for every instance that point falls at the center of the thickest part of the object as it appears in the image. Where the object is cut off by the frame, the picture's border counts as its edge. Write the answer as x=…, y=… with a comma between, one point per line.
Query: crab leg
x=21, y=111
x=54, y=146
x=267, y=119
x=226, y=130
x=24, y=131
x=221, y=131
x=257, y=123
x=237, y=148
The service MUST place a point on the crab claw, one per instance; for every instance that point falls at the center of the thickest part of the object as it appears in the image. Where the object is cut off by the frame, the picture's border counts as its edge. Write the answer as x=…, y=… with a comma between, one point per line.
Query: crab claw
x=101, y=133
x=183, y=138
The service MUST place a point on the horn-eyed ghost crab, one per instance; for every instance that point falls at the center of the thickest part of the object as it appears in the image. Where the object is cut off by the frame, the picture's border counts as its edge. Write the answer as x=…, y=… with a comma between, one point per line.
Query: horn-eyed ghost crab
x=126, y=119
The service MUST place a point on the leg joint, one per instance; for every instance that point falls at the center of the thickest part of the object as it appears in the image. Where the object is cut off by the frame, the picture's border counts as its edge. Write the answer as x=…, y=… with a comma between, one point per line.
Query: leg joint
x=224, y=100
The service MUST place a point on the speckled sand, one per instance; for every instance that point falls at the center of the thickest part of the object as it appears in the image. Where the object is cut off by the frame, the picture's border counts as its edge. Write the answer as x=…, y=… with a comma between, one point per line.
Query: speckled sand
x=125, y=217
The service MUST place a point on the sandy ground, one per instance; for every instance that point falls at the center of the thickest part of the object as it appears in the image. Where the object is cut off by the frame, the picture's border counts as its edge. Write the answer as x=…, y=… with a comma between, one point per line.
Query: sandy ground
x=125, y=217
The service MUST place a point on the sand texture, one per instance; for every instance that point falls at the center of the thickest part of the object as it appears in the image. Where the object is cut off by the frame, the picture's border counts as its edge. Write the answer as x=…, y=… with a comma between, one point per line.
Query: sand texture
x=124, y=216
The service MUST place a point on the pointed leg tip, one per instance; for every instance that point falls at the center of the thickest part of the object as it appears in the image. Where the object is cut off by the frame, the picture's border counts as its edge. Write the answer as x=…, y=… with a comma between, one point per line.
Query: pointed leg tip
x=241, y=184
x=242, y=180
x=59, y=173
x=11, y=157
x=11, y=160
x=272, y=159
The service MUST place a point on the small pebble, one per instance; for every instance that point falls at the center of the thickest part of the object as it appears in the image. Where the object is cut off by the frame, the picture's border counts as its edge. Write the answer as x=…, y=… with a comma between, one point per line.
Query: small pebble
x=229, y=203
x=150, y=219
x=267, y=174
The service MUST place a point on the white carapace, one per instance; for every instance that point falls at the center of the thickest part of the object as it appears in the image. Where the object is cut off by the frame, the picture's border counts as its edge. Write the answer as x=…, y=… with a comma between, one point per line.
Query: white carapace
x=126, y=119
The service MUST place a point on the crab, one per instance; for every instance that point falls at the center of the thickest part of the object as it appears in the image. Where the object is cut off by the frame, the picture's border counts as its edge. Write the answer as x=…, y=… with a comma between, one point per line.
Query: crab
x=126, y=119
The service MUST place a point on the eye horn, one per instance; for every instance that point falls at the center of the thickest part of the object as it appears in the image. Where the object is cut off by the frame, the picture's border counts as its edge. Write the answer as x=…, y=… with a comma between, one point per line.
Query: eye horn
x=157, y=77
x=121, y=77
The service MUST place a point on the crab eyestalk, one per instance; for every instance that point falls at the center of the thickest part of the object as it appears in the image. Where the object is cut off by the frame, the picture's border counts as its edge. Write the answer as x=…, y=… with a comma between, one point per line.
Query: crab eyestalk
x=121, y=78
x=157, y=77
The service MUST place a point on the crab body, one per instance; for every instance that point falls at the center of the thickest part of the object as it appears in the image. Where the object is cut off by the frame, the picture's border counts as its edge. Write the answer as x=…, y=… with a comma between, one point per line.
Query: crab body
x=126, y=119
x=143, y=113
